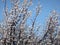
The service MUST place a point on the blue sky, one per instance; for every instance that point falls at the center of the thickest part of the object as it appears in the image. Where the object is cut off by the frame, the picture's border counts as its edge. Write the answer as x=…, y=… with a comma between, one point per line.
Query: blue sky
x=47, y=6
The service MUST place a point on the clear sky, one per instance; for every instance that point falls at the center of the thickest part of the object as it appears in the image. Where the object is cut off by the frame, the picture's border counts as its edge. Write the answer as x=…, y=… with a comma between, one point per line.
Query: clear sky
x=47, y=6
